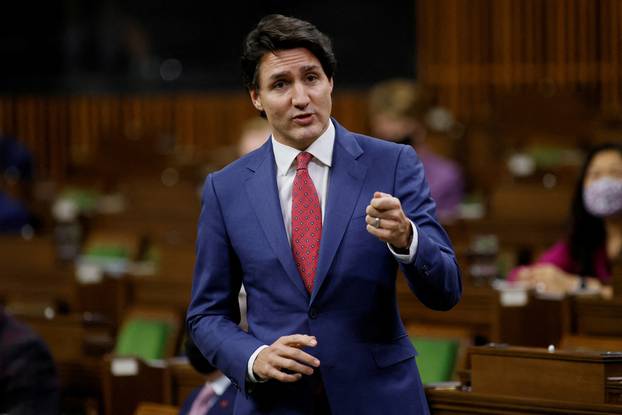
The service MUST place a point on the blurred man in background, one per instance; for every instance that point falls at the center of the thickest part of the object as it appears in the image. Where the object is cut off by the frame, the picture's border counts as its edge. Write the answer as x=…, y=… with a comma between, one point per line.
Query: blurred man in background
x=28, y=379
x=16, y=174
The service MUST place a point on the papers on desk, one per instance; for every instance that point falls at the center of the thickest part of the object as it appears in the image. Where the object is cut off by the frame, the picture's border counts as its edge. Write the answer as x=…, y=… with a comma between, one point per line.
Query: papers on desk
x=511, y=294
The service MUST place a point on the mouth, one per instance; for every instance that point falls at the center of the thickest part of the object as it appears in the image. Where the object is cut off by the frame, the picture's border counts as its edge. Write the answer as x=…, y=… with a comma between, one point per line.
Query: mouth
x=303, y=119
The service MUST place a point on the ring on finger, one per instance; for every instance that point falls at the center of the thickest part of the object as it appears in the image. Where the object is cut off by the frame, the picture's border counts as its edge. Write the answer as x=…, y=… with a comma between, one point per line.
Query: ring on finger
x=376, y=223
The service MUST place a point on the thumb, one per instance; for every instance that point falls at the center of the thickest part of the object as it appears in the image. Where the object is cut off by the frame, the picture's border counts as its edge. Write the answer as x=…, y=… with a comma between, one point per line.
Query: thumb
x=380, y=194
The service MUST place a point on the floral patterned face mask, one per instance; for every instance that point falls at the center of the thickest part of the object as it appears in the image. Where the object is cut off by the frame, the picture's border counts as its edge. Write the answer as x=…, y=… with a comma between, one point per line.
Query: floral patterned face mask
x=603, y=198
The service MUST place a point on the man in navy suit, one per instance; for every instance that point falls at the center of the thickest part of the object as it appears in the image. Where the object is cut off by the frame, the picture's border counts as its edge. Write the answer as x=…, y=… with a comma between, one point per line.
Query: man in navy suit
x=315, y=223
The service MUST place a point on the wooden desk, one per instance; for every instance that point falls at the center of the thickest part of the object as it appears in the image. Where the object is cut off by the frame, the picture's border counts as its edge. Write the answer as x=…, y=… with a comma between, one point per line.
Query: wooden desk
x=72, y=337
x=31, y=272
x=128, y=381
x=162, y=292
x=539, y=323
x=515, y=380
x=475, y=312
x=455, y=402
x=77, y=345
x=567, y=376
x=598, y=317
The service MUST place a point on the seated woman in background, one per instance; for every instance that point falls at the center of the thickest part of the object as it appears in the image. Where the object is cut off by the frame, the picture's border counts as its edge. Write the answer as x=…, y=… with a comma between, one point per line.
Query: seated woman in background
x=583, y=260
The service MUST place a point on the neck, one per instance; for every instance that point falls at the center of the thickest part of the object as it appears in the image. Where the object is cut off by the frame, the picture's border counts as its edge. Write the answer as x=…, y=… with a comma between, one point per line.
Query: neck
x=614, y=226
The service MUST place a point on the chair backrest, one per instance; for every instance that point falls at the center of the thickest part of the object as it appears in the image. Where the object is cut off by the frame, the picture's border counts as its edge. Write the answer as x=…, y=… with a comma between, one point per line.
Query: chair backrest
x=129, y=381
x=436, y=359
x=441, y=351
x=148, y=408
x=149, y=333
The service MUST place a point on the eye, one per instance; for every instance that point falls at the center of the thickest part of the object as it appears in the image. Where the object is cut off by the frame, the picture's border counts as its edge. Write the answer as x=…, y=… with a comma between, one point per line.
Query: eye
x=312, y=77
x=278, y=85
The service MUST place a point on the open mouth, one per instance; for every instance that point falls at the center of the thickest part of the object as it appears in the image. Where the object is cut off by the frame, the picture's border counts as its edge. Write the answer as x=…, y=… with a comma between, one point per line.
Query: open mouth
x=303, y=119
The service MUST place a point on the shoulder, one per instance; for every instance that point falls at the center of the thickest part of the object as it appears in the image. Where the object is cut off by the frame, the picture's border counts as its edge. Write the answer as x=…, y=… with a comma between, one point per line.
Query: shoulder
x=559, y=254
x=239, y=170
x=18, y=337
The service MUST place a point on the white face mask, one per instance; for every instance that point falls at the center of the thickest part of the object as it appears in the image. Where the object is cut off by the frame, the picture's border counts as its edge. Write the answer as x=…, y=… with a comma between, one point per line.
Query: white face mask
x=603, y=198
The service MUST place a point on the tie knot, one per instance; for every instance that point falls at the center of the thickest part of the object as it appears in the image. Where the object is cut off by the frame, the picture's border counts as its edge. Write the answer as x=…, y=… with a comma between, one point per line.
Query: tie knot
x=303, y=160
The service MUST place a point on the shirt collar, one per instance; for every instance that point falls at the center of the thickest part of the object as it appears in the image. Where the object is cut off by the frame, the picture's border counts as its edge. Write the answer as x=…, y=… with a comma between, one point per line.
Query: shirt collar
x=220, y=385
x=321, y=149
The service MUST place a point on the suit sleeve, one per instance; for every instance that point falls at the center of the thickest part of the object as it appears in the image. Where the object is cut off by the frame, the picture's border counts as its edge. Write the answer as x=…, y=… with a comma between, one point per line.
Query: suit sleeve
x=213, y=315
x=433, y=276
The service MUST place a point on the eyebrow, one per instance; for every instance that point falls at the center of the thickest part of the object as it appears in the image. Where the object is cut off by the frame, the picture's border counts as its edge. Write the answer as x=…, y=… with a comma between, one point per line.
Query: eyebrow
x=303, y=69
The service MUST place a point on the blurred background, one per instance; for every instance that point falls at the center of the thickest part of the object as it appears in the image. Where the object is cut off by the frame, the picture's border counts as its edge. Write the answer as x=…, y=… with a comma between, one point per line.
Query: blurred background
x=112, y=113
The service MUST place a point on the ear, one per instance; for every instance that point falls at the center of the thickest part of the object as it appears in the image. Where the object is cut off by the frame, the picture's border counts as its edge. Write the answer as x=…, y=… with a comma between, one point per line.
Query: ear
x=330, y=81
x=256, y=99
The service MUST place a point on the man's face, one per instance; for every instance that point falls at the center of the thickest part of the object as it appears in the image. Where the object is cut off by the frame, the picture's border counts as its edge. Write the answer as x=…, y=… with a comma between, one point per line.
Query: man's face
x=295, y=94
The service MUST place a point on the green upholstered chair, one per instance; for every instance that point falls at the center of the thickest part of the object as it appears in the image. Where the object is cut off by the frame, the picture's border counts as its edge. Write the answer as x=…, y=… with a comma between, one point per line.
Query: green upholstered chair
x=436, y=359
x=143, y=338
x=148, y=334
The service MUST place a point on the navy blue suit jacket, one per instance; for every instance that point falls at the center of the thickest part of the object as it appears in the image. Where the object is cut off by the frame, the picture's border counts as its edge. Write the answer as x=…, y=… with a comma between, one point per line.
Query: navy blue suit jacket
x=367, y=360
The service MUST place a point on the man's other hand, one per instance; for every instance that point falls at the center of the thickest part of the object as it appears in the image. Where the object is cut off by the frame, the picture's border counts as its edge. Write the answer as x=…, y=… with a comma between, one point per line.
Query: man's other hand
x=284, y=360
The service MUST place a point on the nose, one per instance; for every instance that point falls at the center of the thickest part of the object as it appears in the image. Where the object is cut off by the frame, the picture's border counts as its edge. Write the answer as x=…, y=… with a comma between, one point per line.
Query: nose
x=300, y=97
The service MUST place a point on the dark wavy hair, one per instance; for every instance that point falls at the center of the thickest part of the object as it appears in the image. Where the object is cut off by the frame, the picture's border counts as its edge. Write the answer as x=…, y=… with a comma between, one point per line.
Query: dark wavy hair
x=277, y=32
x=587, y=232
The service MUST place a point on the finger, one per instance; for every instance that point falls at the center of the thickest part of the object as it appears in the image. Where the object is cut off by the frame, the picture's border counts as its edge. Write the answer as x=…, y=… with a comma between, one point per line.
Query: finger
x=386, y=203
x=381, y=194
x=394, y=214
x=274, y=373
x=298, y=355
x=380, y=233
x=389, y=224
x=292, y=366
x=297, y=340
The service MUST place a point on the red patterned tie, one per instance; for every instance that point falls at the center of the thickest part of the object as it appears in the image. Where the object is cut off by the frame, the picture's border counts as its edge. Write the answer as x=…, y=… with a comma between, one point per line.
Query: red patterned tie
x=306, y=222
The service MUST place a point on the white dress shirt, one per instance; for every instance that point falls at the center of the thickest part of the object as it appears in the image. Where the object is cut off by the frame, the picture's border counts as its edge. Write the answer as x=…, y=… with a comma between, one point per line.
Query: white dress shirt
x=319, y=169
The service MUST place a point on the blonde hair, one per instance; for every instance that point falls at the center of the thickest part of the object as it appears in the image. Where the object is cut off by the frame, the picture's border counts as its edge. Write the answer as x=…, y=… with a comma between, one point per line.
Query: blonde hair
x=400, y=98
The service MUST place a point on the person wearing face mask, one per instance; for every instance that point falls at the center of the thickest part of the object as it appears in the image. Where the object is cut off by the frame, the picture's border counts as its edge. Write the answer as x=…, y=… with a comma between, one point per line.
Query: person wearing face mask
x=583, y=259
x=400, y=110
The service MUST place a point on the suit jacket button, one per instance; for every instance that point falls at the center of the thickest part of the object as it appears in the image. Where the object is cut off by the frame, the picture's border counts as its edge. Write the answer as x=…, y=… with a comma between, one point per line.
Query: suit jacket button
x=313, y=313
x=426, y=271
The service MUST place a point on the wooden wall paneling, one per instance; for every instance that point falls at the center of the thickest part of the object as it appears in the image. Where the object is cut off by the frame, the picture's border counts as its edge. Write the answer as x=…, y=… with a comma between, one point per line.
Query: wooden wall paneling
x=182, y=120
x=569, y=44
x=616, y=50
x=6, y=115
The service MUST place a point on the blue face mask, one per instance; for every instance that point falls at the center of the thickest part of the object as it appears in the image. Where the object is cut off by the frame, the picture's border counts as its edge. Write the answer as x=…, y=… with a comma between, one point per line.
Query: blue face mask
x=603, y=198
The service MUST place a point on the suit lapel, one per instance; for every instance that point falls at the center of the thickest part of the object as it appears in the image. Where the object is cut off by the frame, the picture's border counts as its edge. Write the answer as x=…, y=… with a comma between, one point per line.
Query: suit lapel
x=347, y=175
x=264, y=196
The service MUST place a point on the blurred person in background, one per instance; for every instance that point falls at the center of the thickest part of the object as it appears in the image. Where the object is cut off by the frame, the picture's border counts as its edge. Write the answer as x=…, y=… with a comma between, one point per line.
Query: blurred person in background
x=583, y=259
x=28, y=379
x=255, y=132
x=399, y=110
x=16, y=174
x=216, y=396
